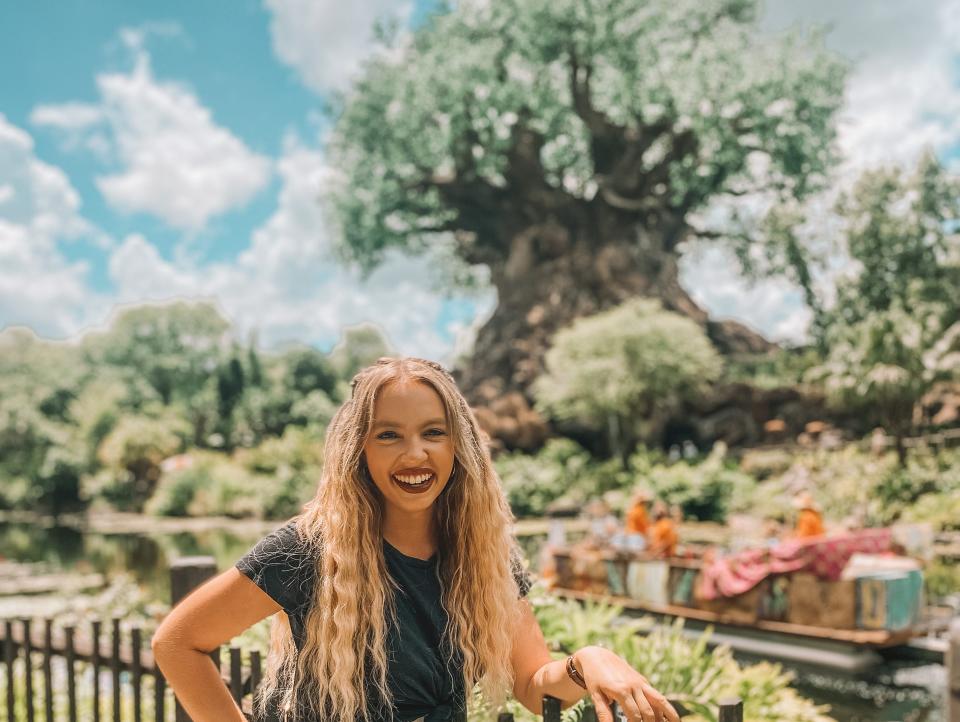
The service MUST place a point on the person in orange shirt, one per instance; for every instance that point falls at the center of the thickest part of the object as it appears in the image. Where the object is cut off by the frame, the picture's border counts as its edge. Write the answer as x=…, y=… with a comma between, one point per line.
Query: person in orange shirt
x=637, y=521
x=809, y=520
x=663, y=534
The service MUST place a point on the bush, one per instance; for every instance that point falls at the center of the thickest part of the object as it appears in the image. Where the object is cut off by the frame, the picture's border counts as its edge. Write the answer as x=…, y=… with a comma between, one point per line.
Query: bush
x=272, y=481
x=706, y=491
x=560, y=471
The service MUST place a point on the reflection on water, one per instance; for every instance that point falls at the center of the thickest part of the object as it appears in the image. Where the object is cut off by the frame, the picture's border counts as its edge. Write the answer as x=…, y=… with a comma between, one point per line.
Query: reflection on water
x=894, y=692
x=145, y=556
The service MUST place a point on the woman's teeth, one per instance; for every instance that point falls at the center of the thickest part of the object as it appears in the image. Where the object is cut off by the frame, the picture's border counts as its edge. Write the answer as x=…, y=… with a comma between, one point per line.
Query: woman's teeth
x=413, y=480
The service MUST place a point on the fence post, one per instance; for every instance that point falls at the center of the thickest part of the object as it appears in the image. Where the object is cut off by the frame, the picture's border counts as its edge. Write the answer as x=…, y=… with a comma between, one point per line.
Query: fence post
x=952, y=712
x=731, y=710
x=186, y=574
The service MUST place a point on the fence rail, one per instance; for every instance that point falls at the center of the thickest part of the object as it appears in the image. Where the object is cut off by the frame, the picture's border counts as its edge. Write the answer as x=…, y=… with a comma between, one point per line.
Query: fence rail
x=32, y=651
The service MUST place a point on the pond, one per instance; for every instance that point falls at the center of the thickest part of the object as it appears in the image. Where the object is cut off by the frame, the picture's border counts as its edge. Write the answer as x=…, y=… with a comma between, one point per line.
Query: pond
x=896, y=691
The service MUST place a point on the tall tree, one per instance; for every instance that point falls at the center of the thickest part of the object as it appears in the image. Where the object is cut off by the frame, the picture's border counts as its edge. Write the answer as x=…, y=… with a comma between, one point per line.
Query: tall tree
x=573, y=146
x=902, y=229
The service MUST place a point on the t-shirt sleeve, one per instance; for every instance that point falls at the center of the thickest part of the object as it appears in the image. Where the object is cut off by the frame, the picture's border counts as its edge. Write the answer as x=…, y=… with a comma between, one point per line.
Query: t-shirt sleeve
x=281, y=565
x=520, y=574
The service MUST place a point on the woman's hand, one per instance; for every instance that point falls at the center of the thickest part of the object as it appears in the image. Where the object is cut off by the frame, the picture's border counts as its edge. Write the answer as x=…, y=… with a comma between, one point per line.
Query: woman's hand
x=610, y=679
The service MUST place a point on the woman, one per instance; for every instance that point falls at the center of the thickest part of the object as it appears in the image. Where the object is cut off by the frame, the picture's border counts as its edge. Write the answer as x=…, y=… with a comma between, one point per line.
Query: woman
x=398, y=586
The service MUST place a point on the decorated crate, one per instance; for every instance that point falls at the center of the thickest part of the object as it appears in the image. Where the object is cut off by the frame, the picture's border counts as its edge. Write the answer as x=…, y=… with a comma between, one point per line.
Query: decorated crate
x=741, y=609
x=889, y=600
x=775, y=602
x=681, y=585
x=647, y=581
x=617, y=576
x=817, y=603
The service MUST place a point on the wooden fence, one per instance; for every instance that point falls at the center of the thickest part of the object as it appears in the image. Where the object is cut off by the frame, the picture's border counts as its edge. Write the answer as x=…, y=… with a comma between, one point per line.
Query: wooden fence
x=33, y=652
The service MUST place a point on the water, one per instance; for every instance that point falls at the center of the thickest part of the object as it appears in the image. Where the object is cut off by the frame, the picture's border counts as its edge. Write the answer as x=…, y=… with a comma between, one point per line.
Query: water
x=895, y=691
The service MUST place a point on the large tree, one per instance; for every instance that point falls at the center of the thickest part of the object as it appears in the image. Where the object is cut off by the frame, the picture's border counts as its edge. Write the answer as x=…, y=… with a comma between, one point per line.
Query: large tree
x=573, y=146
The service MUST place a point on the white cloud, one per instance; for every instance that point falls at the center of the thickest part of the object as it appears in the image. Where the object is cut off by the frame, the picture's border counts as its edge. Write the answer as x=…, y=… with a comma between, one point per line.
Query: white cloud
x=287, y=285
x=175, y=162
x=67, y=116
x=774, y=307
x=39, y=287
x=324, y=40
x=903, y=94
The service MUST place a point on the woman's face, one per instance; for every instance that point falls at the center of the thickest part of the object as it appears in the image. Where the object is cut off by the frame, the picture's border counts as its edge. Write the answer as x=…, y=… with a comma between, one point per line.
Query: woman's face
x=409, y=450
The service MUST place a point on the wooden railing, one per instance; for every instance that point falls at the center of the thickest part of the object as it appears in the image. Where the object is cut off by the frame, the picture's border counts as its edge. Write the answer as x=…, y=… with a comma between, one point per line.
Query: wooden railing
x=31, y=651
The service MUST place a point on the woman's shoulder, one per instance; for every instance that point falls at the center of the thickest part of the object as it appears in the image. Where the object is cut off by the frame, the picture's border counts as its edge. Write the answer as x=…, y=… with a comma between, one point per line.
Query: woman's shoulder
x=283, y=564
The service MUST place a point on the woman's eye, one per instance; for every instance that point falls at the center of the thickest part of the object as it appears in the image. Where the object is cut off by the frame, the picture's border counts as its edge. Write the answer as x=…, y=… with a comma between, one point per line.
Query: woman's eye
x=436, y=432
x=387, y=435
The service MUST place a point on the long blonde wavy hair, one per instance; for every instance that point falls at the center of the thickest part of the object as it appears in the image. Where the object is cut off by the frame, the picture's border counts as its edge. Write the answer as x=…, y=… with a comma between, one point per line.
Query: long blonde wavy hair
x=344, y=654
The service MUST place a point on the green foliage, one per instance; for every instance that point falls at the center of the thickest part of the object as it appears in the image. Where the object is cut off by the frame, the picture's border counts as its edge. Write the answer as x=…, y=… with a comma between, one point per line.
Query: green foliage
x=900, y=227
x=40, y=461
x=564, y=473
x=895, y=328
x=174, y=347
x=705, y=491
x=132, y=452
x=882, y=365
x=92, y=422
x=271, y=481
x=561, y=470
x=851, y=482
x=360, y=346
x=942, y=579
x=682, y=668
x=782, y=367
x=624, y=368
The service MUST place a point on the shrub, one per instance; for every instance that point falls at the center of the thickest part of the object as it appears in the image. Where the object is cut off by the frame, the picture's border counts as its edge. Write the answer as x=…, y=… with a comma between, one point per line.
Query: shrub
x=706, y=491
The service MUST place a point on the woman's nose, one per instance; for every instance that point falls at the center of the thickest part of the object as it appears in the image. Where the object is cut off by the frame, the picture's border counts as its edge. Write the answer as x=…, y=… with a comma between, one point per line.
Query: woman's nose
x=415, y=451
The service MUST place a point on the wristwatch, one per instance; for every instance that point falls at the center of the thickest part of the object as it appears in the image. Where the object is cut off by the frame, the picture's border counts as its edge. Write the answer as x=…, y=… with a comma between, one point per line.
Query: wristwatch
x=574, y=673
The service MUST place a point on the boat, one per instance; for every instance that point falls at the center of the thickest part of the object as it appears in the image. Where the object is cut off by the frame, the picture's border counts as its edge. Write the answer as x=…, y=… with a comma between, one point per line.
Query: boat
x=841, y=601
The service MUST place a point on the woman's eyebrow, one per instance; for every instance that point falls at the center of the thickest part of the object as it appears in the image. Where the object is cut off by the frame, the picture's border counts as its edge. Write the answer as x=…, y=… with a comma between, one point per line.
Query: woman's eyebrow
x=396, y=424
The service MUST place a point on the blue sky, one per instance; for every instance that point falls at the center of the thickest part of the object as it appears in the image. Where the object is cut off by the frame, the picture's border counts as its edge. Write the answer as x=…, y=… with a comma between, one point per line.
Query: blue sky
x=152, y=151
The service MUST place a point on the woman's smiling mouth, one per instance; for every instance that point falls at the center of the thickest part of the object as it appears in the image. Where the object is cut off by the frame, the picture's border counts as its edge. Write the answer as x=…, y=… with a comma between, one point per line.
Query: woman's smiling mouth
x=415, y=481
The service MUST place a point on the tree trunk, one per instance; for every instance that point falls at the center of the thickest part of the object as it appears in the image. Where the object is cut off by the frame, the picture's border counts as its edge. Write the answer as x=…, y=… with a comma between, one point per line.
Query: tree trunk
x=558, y=272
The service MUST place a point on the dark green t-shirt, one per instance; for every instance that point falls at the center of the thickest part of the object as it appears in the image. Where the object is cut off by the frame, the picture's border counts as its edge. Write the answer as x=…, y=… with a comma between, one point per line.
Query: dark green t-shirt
x=422, y=677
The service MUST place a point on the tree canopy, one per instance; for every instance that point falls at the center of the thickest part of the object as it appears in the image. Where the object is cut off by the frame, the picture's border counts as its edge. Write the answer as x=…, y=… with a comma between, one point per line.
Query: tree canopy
x=497, y=115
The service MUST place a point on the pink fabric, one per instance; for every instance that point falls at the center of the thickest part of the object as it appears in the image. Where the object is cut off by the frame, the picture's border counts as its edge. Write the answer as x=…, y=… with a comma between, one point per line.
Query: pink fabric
x=824, y=556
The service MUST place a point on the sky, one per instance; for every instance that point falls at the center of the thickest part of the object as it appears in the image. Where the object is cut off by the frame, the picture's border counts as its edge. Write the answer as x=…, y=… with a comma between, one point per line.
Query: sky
x=158, y=151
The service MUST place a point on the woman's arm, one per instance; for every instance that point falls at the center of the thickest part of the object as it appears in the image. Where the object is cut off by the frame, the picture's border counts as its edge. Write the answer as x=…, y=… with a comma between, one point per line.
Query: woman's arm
x=212, y=615
x=608, y=678
x=535, y=674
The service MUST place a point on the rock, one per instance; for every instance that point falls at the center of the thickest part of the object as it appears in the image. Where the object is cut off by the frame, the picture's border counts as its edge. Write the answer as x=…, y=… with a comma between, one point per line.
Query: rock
x=733, y=426
x=733, y=337
x=941, y=405
x=511, y=423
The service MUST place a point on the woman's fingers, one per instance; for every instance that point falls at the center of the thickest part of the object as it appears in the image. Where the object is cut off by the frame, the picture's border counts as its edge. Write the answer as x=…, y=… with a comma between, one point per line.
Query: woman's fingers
x=646, y=711
x=604, y=713
x=660, y=703
x=637, y=708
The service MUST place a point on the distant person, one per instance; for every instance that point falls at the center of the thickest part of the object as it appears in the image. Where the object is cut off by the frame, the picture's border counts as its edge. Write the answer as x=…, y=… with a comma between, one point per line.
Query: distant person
x=809, y=520
x=638, y=520
x=663, y=534
x=603, y=524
